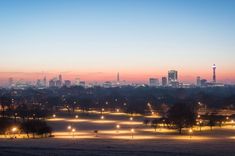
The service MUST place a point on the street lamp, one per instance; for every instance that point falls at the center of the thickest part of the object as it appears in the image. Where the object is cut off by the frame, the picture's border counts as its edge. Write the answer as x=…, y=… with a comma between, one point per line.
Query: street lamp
x=200, y=125
x=117, y=126
x=102, y=117
x=54, y=115
x=73, y=130
x=190, y=133
x=76, y=116
x=69, y=127
x=132, y=133
x=14, y=129
x=131, y=118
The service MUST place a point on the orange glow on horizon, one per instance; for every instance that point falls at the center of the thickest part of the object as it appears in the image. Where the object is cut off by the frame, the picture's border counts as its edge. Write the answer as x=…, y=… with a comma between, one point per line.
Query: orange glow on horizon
x=129, y=76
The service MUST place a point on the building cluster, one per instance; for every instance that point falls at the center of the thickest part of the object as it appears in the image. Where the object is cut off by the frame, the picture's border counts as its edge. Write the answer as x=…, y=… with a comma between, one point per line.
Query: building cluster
x=171, y=80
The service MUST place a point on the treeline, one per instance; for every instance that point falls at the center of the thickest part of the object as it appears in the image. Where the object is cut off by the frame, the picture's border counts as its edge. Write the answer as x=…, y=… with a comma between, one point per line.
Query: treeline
x=38, y=103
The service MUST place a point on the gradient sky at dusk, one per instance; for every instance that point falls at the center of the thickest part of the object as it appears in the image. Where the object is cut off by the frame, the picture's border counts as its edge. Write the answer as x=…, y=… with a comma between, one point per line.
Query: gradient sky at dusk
x=95, y=39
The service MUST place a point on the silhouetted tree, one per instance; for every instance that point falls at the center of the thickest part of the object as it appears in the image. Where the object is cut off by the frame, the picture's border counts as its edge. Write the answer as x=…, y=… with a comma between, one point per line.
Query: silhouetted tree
x=182, y=115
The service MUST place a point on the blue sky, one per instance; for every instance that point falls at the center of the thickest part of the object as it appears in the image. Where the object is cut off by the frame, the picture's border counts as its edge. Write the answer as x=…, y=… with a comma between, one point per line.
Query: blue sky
x=107, y=36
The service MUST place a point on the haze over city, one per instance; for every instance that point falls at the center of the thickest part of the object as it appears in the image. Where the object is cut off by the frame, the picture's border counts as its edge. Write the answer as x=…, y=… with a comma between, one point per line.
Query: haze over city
x=93, y=40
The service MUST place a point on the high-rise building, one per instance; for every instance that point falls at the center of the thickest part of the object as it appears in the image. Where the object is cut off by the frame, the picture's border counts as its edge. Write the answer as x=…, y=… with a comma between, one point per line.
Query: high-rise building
x=82, y=83
x=77, y=82
x=58, y=83
x=45, y=81
x=52, y=83
x=60, y=79
x=214, y=74
x=67, y=83
x=164, y=81
x=118, y=77
x=172, y=76
x=203, y=82
x=10, y=82
x=198, y=81
x=153, y=82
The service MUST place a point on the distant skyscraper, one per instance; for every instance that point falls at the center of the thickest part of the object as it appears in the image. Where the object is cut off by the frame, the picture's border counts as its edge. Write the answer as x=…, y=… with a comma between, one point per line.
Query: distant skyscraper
x=67, y=83
x=60, y=78
x=10, y=82
x=164, y=81
x=82, y=83
x=172, y=76
x=214, y=74
x=77, y=82
x=198, y=81
x=153, y=82
x=45, y=81
x=52, y=83
x=203, y=82
x=118, y=77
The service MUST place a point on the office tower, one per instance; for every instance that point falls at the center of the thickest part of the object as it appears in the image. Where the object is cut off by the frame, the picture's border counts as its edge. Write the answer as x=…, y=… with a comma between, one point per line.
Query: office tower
x=67, y=83
x=214, y=74
x=52, y=83
x=10, y=82
x=45, y=81
x=58, y=83
x=153, y=82
x=198, y=81
x=60, y=78
x=203, y=82
x=82, y=83
x=77, y=82
x=172, y=76
x=118, y=78
x=164, y=81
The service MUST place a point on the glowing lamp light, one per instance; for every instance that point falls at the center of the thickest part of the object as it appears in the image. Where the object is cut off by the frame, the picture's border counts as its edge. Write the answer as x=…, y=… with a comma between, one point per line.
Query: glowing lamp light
x=76, y=116
x=190, y=130
x=131, y=118
x=54, y=115
x=117, y=126
x=14, y=129
x=69, y=127
x=102, y=117
x=117, y=110
x=73, y=130
x=190, y=133
x=132, y=130
x=102, y=109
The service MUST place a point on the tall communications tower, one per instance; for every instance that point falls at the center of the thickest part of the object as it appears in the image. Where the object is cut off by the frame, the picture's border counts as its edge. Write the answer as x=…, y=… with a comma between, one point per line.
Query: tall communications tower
x=214, y=74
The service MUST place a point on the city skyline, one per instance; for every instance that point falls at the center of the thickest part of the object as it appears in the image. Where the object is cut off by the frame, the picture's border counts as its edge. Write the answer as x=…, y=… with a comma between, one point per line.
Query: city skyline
x=95, y=40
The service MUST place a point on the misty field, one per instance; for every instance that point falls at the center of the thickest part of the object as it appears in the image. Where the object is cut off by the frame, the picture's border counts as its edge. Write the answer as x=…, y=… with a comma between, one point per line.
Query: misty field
x=110, y=140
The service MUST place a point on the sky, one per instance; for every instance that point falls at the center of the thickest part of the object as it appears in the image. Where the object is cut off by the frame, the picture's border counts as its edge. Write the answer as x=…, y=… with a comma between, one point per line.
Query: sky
x=95, y=39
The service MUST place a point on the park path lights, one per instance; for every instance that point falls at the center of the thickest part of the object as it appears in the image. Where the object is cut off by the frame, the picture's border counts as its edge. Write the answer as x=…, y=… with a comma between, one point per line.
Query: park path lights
x=132, y=133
